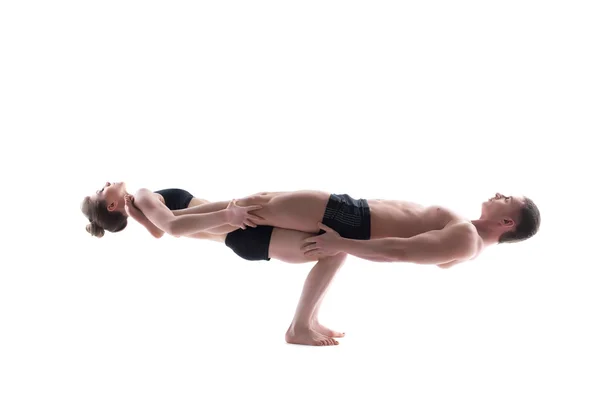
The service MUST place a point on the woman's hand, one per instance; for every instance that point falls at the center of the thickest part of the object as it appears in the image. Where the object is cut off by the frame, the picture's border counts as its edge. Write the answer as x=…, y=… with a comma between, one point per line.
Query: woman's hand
x=240, y=216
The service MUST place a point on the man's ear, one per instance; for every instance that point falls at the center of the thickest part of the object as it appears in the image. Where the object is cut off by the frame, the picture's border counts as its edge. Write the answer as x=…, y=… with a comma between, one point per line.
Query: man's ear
x=508, y=222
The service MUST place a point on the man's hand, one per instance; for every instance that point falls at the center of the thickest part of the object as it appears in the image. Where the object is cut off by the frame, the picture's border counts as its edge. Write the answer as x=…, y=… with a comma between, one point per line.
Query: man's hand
x=326, y=244
x=240, y=216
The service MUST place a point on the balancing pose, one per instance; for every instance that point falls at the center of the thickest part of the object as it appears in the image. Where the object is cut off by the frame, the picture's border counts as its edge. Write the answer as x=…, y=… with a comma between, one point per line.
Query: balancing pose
x=282, y=226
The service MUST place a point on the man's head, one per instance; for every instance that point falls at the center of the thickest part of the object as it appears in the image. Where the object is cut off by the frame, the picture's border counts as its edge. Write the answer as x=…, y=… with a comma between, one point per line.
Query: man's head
x=105, y=209
x=513, y=218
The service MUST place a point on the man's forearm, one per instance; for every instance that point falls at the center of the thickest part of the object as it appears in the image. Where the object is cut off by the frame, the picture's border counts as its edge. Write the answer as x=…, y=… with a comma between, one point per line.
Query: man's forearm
x=379, y=250
x=432, y=247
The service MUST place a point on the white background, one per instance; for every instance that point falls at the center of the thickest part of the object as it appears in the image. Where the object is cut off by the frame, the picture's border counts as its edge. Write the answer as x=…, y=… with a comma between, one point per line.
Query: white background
x=434, y=102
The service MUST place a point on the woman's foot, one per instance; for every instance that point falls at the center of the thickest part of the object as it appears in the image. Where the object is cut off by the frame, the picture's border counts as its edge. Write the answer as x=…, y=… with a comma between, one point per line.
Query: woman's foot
x=308, y=336
x=321, y=329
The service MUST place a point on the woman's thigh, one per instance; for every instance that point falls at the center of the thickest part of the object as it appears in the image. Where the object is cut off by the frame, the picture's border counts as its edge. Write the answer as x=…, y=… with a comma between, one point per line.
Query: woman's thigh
x=286, y=245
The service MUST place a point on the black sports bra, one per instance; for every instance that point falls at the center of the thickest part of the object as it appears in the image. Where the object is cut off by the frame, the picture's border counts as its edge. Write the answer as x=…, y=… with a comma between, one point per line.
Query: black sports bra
x=176, y=198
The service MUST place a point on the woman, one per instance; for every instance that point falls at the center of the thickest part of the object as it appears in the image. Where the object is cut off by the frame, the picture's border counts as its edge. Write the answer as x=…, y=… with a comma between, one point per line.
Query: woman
x=162, y=211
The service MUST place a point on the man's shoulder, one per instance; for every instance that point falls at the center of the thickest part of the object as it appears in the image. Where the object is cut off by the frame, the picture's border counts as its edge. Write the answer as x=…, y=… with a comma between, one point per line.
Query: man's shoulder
x=462, y=228
x=464, y=233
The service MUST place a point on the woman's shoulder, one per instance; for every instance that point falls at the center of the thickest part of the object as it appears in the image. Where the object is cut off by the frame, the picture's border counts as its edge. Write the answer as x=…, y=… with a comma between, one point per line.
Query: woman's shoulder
x=145, y=193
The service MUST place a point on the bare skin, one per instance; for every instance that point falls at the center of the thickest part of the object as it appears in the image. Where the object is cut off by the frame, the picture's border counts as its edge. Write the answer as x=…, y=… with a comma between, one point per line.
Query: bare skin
x=391, y=221
x=303, y=210
x=305, y=326
x=286, y=245
x=305, y=329
x=400, y=230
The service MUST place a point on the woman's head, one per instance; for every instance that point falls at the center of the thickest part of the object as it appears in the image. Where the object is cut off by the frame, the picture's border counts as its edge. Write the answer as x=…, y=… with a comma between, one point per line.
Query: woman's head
x=105, y=209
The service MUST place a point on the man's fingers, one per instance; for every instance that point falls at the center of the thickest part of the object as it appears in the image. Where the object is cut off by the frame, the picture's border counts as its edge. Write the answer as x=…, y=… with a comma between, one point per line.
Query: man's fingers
x=324, y=227
x=312, y=253
x=310, y=247
x=253, y=208
x=310, y=239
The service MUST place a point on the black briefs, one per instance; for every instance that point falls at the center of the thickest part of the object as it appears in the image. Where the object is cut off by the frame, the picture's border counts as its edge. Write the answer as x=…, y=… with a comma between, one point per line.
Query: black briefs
x=350, y=217
x=251, y=243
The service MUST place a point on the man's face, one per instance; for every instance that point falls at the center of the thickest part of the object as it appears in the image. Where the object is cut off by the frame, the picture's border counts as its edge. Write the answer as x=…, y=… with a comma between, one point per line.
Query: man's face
x=501, y=206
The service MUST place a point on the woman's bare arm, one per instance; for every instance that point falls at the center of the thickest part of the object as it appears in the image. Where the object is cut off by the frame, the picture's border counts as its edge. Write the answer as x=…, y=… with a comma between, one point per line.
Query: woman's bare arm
x=203, y=208
x=207, y=207
x=139, y=217
x=187, y=224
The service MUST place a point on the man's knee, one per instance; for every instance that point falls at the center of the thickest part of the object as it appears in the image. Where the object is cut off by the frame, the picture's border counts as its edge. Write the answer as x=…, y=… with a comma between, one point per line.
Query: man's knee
x=256, y=199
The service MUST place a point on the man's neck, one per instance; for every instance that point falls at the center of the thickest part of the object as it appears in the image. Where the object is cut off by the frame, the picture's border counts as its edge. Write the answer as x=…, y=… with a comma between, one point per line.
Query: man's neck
x=488, y=236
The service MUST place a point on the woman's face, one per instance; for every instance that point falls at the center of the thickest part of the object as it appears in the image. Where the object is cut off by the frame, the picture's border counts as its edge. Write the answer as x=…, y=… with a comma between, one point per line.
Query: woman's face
x=113, y=194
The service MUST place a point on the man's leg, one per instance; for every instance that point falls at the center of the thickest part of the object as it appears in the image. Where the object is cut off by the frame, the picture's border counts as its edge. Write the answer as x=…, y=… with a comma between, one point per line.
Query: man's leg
x=300, y=210
x=304, y=329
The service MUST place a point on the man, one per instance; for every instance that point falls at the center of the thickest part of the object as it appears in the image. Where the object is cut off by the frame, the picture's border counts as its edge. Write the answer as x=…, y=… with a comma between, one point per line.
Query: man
x=396, y=231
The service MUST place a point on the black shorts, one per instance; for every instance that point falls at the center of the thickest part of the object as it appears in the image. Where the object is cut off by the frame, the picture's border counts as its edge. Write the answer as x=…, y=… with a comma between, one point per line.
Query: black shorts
x=350, y=217
x=252, y=243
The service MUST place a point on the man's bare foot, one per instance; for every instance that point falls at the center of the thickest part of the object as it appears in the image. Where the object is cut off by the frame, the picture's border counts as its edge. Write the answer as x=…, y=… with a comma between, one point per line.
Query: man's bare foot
x=321, y=329
x=307, y=336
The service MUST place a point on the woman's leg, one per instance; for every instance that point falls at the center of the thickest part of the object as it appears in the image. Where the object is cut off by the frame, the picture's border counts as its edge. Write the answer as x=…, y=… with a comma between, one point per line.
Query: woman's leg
x=315, y=316
x=305, y=329
x=286, y=245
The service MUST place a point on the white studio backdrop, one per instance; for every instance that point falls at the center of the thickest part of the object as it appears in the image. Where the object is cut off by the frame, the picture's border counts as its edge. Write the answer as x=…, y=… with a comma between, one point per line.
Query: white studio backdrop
x=434, y=102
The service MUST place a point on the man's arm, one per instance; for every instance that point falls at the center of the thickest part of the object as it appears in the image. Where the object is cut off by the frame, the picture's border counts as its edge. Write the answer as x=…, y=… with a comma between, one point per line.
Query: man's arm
x=454, y=242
